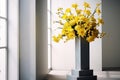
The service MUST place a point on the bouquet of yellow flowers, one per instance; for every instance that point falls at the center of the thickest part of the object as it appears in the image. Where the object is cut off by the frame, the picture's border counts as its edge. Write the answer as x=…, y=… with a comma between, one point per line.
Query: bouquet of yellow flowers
x=76, y=22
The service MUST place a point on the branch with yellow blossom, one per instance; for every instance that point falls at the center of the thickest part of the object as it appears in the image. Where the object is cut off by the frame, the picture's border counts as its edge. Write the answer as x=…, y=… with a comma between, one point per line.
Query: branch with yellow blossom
x=79, y=23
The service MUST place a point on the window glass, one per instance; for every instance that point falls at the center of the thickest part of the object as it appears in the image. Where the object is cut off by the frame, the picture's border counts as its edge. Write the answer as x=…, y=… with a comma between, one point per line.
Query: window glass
x=3, y=8
x=3, y=40
x=3, y=64
x=2, y=32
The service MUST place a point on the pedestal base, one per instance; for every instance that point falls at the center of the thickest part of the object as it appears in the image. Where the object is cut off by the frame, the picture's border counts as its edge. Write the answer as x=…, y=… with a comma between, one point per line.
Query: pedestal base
x=81, y=75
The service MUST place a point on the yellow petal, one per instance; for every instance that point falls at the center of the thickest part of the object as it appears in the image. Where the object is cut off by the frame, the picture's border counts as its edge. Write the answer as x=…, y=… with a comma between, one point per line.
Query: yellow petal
x=90, y=38
x=74, y=5
x=55, y=39
x=98, y=11
x=88, y=12
x=72, y=22
x=78, y=11
x=100, y=21
x=81, y=32
x=64, y=16
x=86, y=5
x=68, y=10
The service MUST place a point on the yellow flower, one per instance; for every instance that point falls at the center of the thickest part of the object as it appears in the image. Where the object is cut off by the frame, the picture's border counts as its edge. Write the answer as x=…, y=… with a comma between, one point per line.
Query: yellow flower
x=59, y=36
x=64, y=31
x=74, y=5
x=71, y=17
x=88, y=12
x=78, y=11
x=95, y=32
x=83, y=18
x=86, y=5
x=69, y=29
x=98, y=11
x=68, y=10
x=76, y=19
x=90, y=38
x=100, y=21
x=56, y=39
x=64, y=16
x=93, y=24
x=77, y=27
x=81, y=32
x=88, y=25
x=92, y=19
x=79, y=23
x=72, y=22
x=71, y=35
x=66, y=24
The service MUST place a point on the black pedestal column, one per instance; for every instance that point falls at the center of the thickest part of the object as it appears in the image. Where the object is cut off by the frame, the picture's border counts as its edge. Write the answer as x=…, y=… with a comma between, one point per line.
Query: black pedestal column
x=82, y=70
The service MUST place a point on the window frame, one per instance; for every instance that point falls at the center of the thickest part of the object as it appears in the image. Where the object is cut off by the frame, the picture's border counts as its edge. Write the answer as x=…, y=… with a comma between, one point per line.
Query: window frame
x=49, y=35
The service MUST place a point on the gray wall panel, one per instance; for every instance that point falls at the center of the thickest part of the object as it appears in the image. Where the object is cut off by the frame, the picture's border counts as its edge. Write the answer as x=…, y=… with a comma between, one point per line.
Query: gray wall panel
x=111, y=42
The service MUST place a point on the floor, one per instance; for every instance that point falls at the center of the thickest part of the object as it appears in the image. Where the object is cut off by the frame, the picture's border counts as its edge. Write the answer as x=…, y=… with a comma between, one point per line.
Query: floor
x=61, y=75
x=58, y=75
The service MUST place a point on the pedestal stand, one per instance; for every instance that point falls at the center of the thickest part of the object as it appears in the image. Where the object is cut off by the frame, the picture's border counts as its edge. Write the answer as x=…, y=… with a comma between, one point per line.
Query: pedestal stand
x=82, y=70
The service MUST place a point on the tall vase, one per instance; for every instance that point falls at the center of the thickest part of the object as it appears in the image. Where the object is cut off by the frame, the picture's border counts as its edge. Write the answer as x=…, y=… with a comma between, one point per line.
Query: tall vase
x=82, y=70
